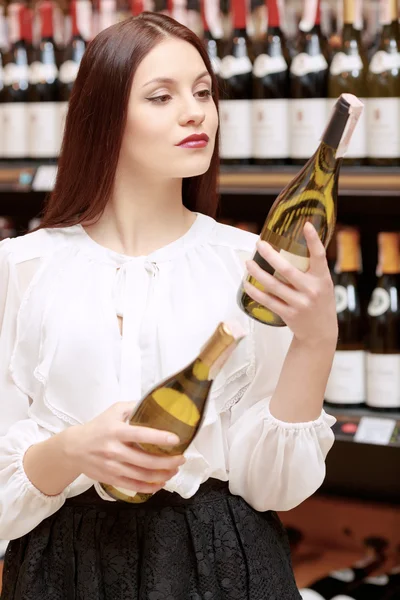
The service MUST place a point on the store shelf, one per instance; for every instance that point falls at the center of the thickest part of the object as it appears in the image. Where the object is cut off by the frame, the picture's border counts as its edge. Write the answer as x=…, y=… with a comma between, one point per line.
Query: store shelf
x=355, y=181
x=363, y=426
x=39, y=176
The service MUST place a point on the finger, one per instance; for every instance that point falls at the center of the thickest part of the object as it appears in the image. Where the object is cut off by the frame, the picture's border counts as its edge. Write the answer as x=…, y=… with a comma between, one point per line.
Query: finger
x=135, y=456
x=274, y=286
x=148, y=475
x=140, y=434
x=283, y=267
x=267, y=300
x=318, y=262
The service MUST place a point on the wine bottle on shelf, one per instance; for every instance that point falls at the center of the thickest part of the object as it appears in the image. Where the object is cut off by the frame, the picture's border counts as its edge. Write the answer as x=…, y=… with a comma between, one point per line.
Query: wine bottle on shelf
x=178, y=404
x=308, y=85
x=212, y=32
x=16, y=86
x=383, y=356
x=346, y=384
x=270, y=131
x=310, y=196
x=73, y=54
x=347, y=74
x=236, y=92
x=344, y=580
x=44, y=114
x=383, y=109
x=380, y=587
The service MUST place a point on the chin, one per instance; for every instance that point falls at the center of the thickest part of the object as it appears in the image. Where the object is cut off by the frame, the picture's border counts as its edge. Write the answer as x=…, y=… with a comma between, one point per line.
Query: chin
x=196, y=168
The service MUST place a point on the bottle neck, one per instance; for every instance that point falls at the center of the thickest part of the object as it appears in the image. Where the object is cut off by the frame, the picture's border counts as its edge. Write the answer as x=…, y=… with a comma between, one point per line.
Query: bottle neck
x=15, y=19
x=339, y=130
x=216, y=352
x=389, y=254
x=348, y=252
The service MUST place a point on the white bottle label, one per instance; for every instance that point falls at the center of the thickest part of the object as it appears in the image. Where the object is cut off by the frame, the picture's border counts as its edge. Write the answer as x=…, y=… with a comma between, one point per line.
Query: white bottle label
x=341, y=298
x=68, y=71
x=235, y=126
x=379, y=303
x=15, y=121
x=383, y=126
x=266, y=65
x=358, y=142
x=270, y=128
x=15, y=73
x=383, y=380
x=42, y=73
x=345, y=575
x=310, y=595
x=307, y=124
x=303, y=64
x=300, y=262
x=231, y=66
x=384, y=61
x=44, y=129
x=344, y=63
x=346, y=384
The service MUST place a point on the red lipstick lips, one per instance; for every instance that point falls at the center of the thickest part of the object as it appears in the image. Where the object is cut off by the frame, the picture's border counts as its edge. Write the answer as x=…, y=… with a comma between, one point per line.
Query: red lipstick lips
x=197, y=140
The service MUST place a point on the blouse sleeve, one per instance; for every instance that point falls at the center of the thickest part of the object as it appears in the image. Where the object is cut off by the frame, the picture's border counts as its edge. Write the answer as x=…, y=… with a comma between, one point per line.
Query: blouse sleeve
x=274, y=465
x=22, y=506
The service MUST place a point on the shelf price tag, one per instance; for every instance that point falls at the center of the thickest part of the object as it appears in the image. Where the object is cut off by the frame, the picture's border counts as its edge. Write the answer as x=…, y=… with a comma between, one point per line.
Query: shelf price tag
x=45, y=178
x=373, y=430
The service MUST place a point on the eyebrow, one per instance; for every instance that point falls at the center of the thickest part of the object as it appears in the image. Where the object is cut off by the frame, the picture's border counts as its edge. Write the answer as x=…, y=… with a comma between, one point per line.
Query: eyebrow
x=170, y=80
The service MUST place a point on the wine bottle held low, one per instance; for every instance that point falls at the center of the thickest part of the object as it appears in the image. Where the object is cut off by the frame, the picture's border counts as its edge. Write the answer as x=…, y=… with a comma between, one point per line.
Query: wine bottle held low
x=178, y=404
x=383, y=357
x=310, y=196
x=346, y=384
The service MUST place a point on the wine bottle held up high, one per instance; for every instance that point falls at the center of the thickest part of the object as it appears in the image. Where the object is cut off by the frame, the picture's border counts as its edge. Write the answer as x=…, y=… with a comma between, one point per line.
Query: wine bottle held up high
x=347, y=74
x=236, y=92
x=179, y=404
x=16, y=88
x=383, y=109
x=310, y=196
x=383, y=357
x=308, y=85
x=270, y=106
x=44, y=115
x=346, y=384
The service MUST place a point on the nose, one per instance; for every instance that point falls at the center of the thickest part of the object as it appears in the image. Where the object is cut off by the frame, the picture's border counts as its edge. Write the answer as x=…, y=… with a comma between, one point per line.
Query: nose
x=192, y=113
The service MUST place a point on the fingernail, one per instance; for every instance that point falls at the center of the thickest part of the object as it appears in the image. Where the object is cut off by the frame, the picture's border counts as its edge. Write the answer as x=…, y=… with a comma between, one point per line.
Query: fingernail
x=172, y=439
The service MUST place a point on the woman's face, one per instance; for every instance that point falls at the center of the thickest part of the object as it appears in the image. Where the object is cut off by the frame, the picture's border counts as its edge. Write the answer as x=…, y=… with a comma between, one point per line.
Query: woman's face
x=171, y=99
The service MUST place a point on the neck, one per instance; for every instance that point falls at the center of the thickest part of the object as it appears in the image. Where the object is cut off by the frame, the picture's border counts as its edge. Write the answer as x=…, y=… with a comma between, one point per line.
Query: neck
x=143, y=215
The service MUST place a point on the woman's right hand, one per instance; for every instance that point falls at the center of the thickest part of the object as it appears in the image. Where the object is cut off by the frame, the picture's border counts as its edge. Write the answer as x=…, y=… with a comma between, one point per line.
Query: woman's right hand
x=102, y=450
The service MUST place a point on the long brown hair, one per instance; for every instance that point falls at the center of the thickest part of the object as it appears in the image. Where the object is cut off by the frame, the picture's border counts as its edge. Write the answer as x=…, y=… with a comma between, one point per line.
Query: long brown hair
x=96, y=121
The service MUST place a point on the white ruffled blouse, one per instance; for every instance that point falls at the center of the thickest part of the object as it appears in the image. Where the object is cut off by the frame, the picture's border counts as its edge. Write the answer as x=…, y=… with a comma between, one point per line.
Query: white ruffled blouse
x=63, y=361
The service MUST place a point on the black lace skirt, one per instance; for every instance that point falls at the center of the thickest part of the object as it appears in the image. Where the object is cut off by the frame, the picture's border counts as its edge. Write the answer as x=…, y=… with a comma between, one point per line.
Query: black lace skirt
x=213, y=546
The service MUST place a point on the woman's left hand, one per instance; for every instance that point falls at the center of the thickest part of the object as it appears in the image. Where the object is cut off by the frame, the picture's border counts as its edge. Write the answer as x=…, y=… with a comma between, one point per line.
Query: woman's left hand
x=307, y=302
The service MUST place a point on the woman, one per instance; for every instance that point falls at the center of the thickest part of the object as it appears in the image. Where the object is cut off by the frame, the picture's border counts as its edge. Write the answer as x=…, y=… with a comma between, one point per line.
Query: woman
x=122, y=285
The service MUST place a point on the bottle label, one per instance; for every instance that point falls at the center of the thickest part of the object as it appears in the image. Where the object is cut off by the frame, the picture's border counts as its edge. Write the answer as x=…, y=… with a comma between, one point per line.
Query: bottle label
x=345, y=575
x=357, y=146
x=42, y=73
x=231, y=66
x=44, y=129
x=235, y=124
x=303, y=64
x=68, y=71
x=15, y=137
x=379, y=303
x=344, y=63
x=270, y=131
x=346, y=383
x=383, y=126
x=15, y=73
x=380, y=580
x=341, y=298
x=266, y=65
x=384, y=61
x=307, y=123
x=383, y=380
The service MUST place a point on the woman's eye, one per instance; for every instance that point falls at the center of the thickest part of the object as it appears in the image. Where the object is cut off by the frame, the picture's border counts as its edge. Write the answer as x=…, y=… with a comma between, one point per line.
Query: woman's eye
x=160, y=99
x=204, y=93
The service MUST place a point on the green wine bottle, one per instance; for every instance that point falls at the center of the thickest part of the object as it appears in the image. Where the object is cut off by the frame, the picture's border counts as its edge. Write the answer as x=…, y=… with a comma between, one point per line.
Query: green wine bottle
x=310, y=196
x=179, y=403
